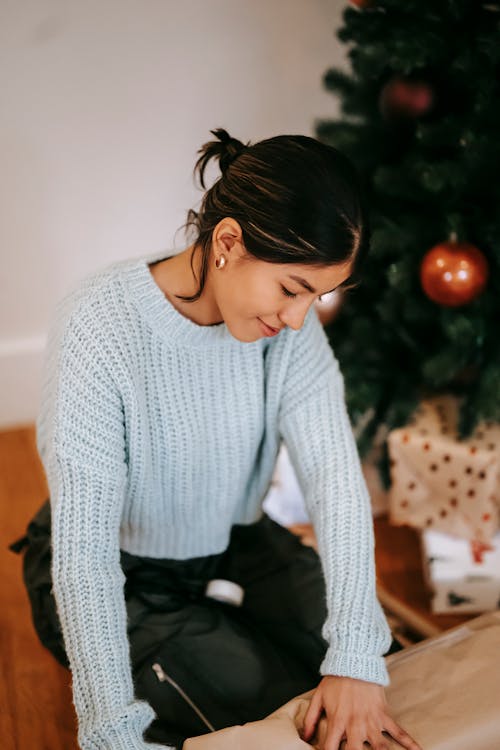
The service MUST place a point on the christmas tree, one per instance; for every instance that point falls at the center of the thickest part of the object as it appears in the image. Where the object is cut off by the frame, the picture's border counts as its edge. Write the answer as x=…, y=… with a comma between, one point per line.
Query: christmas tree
x=421, y=122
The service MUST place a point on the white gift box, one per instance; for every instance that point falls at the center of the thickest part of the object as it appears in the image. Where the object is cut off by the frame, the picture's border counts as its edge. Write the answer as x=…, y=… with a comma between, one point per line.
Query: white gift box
x=459, y=583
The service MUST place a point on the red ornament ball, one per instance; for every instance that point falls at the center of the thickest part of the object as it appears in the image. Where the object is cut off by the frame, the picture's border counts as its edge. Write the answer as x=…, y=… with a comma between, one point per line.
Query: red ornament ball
x=405, y=98
x=453, y=273
x=329, y=306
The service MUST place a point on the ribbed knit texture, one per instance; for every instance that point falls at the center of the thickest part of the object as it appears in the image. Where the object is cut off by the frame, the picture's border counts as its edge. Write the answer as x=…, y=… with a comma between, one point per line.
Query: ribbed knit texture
x=157, y=435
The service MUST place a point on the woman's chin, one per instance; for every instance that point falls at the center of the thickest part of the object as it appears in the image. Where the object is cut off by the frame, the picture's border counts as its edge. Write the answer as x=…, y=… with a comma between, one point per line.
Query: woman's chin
x=246, y=331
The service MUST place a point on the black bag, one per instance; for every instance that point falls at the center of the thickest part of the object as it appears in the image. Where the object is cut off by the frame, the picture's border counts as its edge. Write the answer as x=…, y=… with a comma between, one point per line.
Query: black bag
x=38, y=581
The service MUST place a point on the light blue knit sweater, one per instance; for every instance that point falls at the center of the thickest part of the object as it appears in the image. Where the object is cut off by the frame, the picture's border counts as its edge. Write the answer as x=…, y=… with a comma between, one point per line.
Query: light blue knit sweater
x=156, y=435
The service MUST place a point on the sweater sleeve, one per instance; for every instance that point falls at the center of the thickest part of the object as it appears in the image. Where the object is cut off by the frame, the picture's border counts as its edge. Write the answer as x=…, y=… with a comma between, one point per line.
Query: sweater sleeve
x=315, y=426
x=80, y=437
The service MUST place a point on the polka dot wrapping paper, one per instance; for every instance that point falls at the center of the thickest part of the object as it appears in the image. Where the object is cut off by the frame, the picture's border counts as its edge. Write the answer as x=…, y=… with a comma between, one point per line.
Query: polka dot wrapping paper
x=441, y=482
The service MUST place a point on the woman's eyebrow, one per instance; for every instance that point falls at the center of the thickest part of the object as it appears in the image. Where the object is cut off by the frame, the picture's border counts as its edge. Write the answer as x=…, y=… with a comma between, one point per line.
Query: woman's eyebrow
x=306, y=284
x=303, y=282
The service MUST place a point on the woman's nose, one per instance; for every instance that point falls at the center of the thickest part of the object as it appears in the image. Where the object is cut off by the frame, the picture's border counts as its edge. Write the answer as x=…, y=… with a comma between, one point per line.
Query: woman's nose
x=293, y=315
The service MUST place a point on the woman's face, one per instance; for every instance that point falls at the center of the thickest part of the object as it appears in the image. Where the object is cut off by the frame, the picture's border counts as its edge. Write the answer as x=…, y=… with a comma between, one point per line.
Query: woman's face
x=252, y=294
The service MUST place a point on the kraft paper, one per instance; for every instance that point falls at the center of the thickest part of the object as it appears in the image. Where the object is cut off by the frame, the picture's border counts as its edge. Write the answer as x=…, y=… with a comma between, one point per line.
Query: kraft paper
x=444, y=691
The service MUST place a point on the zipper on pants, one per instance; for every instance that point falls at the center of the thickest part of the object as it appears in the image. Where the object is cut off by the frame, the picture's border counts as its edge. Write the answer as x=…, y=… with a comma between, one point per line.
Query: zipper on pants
x=164, y=677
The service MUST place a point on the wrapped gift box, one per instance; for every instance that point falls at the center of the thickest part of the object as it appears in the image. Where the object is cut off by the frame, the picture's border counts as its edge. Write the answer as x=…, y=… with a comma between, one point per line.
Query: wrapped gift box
x=458, y=581
x=441, y=482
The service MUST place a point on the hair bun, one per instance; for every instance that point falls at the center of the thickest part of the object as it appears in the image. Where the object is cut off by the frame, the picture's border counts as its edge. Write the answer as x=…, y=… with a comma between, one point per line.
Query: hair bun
x=229, y=148
x=226, y=149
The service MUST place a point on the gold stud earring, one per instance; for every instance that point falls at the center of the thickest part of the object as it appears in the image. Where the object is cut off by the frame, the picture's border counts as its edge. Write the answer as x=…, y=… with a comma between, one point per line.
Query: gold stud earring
x=220, y=262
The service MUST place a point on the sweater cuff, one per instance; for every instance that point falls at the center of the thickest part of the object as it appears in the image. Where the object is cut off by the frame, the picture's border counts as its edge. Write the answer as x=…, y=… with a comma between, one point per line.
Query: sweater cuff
x=358, y=666
x=122, y=733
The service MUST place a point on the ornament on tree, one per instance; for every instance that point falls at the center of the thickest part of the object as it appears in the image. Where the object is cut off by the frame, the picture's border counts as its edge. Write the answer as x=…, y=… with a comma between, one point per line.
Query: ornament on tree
x=453, y=273
x=405, y=98
x=361, y=4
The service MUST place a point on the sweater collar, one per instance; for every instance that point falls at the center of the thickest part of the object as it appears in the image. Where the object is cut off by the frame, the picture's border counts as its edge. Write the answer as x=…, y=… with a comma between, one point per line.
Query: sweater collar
x=163, y=317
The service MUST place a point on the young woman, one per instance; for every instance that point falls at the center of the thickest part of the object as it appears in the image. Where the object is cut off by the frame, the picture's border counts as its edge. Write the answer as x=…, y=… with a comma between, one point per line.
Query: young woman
x=169, y=383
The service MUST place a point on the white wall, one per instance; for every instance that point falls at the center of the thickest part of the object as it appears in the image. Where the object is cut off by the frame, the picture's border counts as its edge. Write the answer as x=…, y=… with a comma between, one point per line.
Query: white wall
x=104, y=105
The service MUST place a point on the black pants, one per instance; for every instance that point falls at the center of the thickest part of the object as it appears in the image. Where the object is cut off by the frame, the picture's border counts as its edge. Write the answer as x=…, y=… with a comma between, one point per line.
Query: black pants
x=203, y=664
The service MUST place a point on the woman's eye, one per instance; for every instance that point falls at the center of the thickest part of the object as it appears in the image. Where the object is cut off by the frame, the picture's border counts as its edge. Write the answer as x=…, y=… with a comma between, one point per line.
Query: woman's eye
x=287, y=293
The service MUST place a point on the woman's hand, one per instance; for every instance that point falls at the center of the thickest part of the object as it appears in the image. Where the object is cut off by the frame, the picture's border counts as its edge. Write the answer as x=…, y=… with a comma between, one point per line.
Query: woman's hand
x=357, y=711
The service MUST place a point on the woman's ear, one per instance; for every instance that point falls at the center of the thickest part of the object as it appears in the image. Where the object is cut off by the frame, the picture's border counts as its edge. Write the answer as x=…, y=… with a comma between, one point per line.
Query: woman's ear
x=227, y=235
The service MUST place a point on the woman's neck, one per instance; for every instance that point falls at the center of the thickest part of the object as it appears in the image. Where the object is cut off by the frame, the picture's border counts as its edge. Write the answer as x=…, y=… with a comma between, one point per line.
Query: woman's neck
x=174, y=276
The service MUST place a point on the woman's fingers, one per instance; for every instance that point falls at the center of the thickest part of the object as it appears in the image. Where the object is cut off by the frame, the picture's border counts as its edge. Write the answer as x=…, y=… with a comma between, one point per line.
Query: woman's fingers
x=312, y=715
x=357, y=740
x=400, y=735
x=356, y=728
x=379, y=742
x=334, y=737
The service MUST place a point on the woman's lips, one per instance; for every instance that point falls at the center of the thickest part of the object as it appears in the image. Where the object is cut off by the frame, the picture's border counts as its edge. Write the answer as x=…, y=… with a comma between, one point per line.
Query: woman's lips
x=268, y=330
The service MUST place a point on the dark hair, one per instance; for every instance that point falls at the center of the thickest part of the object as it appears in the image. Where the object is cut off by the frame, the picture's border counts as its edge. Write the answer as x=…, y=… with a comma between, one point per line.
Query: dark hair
x=296, y=199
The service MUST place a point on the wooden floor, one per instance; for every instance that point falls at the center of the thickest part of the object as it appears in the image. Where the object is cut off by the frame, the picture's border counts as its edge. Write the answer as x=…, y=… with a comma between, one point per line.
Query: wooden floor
x=36, y=711
x=35, y=696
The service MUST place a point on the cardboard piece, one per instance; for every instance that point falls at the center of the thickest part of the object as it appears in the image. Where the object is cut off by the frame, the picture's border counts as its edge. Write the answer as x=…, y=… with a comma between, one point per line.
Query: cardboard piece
x=444, y=691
